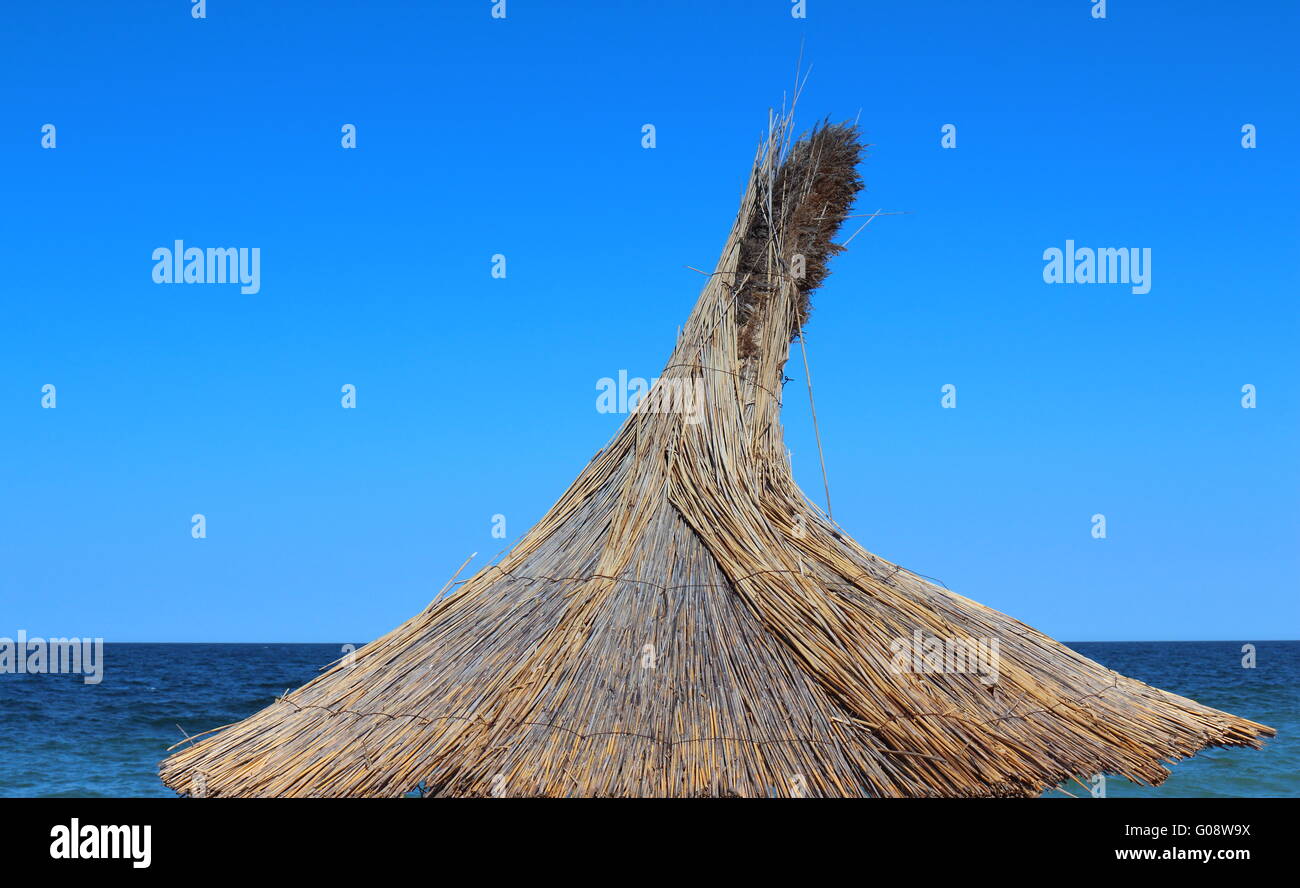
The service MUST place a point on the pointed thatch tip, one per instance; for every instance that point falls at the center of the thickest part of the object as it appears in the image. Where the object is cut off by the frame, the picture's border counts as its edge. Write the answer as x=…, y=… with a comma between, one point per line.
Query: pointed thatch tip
x=804, y=198
x=683, y=622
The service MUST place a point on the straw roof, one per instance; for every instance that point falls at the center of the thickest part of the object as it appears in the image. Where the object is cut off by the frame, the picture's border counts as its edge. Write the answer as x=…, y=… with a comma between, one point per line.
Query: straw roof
x=685, y=622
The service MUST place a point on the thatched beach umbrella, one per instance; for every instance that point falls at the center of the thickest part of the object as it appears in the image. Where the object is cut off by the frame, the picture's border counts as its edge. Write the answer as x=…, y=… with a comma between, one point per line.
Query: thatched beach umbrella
x=685, y=622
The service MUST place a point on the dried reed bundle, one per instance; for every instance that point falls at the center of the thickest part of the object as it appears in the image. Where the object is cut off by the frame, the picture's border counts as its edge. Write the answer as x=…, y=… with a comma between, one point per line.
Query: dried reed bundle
x=684, y=622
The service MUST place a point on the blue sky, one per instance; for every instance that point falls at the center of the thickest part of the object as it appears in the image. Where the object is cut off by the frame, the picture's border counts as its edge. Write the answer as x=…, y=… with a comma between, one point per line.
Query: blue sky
x=477, y=396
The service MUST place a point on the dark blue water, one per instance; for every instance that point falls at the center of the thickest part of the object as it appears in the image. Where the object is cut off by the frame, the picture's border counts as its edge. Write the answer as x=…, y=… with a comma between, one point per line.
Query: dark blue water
x=61, y=737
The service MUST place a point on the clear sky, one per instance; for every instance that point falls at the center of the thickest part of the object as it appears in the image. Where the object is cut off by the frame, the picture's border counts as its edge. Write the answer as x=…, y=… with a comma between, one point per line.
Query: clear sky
x=476, y=396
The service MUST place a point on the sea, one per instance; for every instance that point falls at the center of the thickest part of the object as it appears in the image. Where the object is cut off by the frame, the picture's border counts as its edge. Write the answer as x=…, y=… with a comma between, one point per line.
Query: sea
x=62, y=737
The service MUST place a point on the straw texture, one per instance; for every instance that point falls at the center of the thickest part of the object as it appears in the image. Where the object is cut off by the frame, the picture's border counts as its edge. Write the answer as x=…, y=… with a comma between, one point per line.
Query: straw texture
x=684, y=622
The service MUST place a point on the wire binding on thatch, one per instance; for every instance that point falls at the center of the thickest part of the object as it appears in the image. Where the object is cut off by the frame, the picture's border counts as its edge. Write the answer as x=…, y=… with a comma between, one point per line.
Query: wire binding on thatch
x=684, y=622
